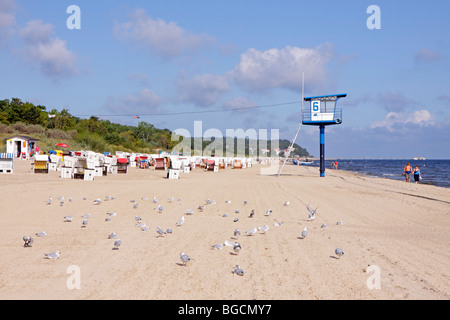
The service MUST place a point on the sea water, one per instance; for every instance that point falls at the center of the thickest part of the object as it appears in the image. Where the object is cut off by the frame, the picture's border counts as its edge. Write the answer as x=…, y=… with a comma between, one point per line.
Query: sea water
x=434, y=172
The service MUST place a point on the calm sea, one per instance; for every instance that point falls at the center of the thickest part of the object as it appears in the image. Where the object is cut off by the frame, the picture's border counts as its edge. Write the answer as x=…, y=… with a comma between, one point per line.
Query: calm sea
x=434, y=172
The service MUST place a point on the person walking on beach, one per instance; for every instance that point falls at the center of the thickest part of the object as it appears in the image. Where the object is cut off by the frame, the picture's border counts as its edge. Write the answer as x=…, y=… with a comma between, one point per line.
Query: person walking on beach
x=407, y=172
x=417, y=175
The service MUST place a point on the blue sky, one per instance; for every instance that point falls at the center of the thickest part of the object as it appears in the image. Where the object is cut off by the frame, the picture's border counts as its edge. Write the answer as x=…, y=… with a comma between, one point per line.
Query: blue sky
x=159, y=57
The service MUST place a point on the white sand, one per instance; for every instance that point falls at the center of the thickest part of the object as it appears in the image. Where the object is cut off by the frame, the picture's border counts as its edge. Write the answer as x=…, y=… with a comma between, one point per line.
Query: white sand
x=402, y=229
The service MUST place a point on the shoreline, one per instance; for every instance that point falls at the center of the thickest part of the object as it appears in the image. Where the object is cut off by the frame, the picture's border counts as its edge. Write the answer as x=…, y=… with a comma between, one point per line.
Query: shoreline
x=401, y=228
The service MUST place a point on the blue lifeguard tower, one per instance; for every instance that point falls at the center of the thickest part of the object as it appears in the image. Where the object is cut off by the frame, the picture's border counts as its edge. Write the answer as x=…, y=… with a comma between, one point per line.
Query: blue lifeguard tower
x=322, y=112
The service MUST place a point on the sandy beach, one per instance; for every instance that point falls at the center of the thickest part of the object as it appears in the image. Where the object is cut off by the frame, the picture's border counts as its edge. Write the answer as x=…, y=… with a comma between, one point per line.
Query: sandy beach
x=400, y=229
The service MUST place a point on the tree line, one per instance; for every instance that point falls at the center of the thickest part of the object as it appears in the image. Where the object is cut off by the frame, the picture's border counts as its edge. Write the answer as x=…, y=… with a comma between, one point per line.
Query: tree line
x=98, y=134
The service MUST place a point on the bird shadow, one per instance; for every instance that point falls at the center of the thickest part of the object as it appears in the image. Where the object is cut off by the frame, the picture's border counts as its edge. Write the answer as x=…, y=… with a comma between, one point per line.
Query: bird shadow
x=301, y=238
x=334, y=257
x=180, y=264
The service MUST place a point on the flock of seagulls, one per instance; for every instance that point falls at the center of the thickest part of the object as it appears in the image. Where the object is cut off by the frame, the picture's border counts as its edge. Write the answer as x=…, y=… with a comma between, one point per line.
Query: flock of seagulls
x=160, y=232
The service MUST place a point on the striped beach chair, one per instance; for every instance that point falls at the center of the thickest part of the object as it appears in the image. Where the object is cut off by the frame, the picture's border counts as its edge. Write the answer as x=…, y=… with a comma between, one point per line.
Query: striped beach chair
x=6, y=162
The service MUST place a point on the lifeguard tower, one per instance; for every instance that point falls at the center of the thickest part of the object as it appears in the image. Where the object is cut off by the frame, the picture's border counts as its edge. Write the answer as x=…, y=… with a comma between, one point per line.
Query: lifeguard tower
x=322, y=112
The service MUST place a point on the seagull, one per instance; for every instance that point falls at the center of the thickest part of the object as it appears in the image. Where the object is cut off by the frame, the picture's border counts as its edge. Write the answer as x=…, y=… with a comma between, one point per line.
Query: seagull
x=237, y=233
x=87, y=216
x=117, y=244
x=245, y=202
x=28, y=241
x=251, y=232
x=225, y=215
x=236, y=248
x=140, y=225
x=137, y=218
x=238, y=271
x=228, y=201
x=50, y=200
x=201, y=208
x=277, y=224
x=68, y=219
x=189, y=211
x=155, y=200
x=145, y=228
x=304, y=232
x=144, y=198
x=170, y=199
x=70, y=199
x=218, y=246
x=84, y=224
x=112, y=214
x=286, y=203
x=236, y=219
x=339, y=252
x=252, y=213
x=180, y=222
x=323, y=225
x=41, y=234
x=135, y=205
x=184, y=258
x=208, y=201
x=268, y=211
x=112, y=236
x=169, y=230
x=159, y=208
x=264, y=229
x=107, y=198
x=229, y=243
x=160, y=231
x=312, y=213
x=339, y=223
x=236, y=211
x=61, y=203
x=53, y=255
x=97, y=201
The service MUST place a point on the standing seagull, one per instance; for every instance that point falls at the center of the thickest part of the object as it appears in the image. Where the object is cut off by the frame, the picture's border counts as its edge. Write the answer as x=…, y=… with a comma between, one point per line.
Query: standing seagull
x=180, y=222
x=236, y=248
x=117, y=244
x=160, y=231
x=304, y=233
x=53, y=255
x=28, y=241
x=339, y=252
x=85, y=223
x=41, y=234
x=184, y=258
x=251, y=232
x=50, y=200
x=97, y=201
x=238, y=270
x=286, y=203
x=237, y=233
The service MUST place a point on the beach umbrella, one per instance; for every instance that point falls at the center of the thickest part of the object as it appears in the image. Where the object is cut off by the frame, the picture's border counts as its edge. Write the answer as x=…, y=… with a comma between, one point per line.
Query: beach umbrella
x=62, y=145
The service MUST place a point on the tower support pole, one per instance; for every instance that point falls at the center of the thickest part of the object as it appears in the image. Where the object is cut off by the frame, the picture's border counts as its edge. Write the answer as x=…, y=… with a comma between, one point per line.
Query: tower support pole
x=322, y=150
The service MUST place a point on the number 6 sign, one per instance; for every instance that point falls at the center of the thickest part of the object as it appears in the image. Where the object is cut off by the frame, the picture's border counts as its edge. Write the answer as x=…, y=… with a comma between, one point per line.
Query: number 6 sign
x=315, y=109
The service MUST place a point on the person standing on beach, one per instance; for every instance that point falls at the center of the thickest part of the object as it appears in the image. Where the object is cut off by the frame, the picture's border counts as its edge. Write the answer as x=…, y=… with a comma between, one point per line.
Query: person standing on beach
x=407, y=172
x=417, y=174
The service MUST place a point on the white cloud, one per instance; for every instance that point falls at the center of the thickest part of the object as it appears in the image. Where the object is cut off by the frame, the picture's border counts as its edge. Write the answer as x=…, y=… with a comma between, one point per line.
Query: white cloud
x=146, y=101
x=203, y=90
x=395, y=101
x=50, y=54
x=396, y=120
x=7, y=20
x=282, y=68
x=166, y=39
